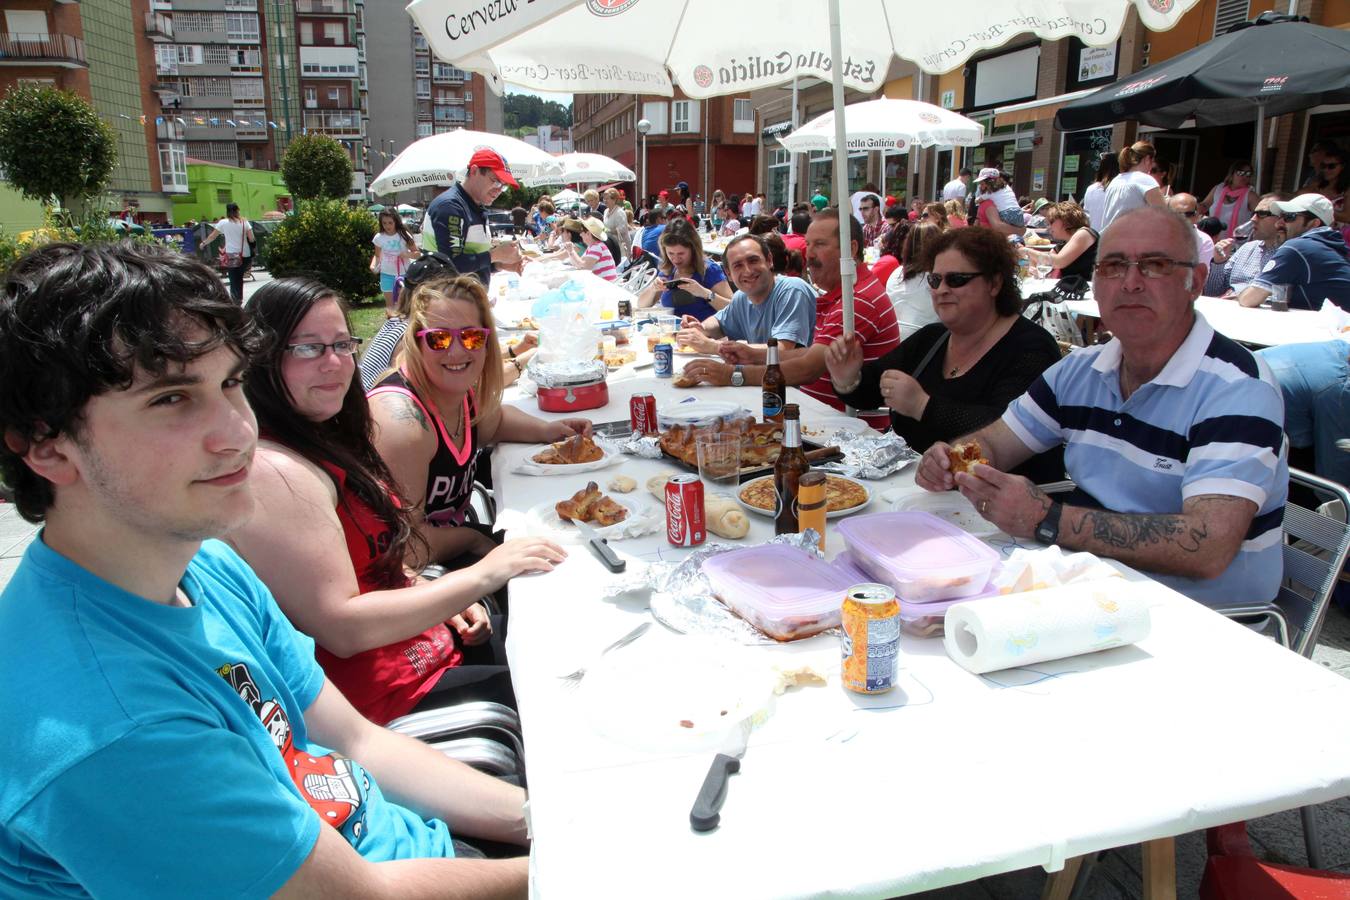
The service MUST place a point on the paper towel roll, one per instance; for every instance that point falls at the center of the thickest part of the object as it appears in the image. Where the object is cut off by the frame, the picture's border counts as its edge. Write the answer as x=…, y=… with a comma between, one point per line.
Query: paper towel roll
x=1023, y=629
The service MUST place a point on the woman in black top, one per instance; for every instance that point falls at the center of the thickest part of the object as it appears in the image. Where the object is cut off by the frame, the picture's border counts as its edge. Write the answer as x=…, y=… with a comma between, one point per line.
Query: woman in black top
x=954, y=377
x=1069, y=228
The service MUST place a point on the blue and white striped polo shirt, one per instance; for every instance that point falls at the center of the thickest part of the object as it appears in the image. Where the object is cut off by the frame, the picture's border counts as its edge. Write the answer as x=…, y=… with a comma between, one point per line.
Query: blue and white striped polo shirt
x=1211, y=422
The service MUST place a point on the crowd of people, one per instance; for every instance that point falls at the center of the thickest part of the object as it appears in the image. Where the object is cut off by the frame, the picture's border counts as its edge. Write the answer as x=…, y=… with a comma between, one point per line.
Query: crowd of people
x=298, y=562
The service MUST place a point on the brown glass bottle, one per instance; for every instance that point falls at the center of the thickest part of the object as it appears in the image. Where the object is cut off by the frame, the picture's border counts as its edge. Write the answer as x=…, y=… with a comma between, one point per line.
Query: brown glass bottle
x=787, y=472
x=775, y=388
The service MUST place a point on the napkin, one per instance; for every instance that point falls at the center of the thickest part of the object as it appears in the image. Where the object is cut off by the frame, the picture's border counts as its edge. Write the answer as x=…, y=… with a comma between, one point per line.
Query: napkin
x=1047, y=567
x=1003, y=632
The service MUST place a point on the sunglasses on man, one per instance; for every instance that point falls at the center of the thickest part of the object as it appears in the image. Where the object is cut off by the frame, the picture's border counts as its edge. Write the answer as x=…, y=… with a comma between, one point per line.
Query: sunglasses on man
x=439, y=340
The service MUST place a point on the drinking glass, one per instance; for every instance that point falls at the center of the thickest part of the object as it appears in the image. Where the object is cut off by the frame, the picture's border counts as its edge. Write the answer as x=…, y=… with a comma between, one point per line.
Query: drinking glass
x=1043, y=270
x=719, y=462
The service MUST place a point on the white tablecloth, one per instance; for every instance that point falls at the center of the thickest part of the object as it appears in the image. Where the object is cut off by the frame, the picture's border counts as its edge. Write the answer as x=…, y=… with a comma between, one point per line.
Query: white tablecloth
x=948, y=778
x=1248, y=325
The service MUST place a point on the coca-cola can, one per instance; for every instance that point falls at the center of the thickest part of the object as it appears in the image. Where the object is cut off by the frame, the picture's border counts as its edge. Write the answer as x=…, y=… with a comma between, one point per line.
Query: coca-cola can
x=642, y=413
x=684, y=511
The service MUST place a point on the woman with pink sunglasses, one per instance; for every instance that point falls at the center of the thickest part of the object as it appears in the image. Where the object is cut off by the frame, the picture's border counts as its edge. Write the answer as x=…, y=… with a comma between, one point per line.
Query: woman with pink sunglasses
x=440, y=407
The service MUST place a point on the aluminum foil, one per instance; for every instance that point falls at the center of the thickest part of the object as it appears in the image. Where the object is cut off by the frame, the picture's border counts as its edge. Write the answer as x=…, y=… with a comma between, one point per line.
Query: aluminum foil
x=647, y=446
x=567, y=373
x=682, y=598
x=869, y=455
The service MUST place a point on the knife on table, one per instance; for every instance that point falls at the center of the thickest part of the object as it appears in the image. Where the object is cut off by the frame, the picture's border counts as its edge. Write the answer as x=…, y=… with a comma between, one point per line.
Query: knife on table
x=707, y=811
x=601, y=547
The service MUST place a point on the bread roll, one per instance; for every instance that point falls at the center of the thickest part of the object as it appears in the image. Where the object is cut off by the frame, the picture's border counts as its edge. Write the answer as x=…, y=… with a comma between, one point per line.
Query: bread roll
x=725, y=518
x=622, y=484
x=657, y=486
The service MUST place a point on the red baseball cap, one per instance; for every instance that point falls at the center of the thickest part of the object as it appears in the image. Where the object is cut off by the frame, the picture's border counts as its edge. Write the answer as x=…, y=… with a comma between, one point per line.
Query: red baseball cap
x=664, y=194
x=488, y=159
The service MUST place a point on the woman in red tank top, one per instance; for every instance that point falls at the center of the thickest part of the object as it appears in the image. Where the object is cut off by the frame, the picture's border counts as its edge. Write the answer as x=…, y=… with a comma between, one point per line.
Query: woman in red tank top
x=336, y=546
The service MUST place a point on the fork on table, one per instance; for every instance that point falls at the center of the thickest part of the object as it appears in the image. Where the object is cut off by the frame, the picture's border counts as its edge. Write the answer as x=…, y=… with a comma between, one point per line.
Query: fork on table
x=624, y=641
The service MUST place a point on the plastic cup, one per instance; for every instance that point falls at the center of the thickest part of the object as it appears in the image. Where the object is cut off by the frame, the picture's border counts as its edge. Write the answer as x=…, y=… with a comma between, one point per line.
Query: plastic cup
x=719, y=461
x=668, y=324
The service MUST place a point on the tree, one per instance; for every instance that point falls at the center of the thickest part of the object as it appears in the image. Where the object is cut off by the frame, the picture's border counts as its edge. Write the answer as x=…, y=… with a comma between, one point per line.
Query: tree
x=328, y=241
x=529, y=111
x=53, y=144
x=316, y=167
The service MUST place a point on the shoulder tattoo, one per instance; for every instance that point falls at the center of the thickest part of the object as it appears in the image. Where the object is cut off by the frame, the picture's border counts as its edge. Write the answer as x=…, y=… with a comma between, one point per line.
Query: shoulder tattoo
x=403, y=409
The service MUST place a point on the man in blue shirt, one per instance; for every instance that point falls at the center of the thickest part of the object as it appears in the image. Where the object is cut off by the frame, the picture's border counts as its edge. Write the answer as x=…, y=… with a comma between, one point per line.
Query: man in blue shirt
x=766, y=305
x=460, y=225
x=652, y=226
x=1172, y=432
x=1313, y=263
x=167, y=733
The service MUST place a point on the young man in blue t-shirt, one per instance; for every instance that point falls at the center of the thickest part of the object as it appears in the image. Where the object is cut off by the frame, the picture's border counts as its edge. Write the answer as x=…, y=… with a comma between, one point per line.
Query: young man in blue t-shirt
x=164, y=726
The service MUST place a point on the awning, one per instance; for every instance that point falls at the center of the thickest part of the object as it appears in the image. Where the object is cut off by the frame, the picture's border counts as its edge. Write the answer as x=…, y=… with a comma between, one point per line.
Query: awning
x=1031, y=110
x=777, y=129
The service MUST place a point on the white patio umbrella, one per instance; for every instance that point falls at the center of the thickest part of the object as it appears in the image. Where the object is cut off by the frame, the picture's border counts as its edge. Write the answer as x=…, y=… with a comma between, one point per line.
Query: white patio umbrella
x=566, y=195
x=592, y=168
x=443, y=158
x=887, y=124
x=647, y=46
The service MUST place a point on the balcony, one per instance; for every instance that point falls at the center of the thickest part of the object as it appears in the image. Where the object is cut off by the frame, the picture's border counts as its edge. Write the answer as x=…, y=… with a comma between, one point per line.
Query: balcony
x=325, y=7
x=449, y=101
x=159, y=28
x=169, y=130
x=334, y=122
x=251, y=133
x=60, y=50
x=447, y=75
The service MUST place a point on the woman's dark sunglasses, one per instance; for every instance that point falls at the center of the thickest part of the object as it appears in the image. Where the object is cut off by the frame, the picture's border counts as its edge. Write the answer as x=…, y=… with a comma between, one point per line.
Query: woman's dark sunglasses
x=954, y=279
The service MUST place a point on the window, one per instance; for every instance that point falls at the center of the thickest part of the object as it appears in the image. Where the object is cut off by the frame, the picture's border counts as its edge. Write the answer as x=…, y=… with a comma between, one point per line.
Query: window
x=1229, y=13
x=424, y=129
x=31, y=23
x=216, y=55
x=198, y=21
x=242, y=26
x=422, y=68
x=166, y=59
x=424, y=88
x=224, y=195
x=742, y=117
x=173, y=168
x=242, y=5
x=655, y=112
x=419, y=43
x=209, y=87
x=246, y=88
x=468, y=96
x=240, y=56
x=684, y=117
x=334, y=94
x=333, y=31
x=189, y=54
x=307, y=33
x=311, y=97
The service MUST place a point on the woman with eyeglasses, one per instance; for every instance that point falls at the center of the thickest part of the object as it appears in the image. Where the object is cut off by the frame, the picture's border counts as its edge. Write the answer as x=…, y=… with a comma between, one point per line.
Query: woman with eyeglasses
x=1233, y=200
x=957, y=375
x=440, y=408
x=336, y=546
x=1135, y=186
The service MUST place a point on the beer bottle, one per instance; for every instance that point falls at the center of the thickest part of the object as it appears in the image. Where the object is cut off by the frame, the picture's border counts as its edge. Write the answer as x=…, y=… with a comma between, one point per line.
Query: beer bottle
x=775, y=388
x=787, y=472
x=811, y=504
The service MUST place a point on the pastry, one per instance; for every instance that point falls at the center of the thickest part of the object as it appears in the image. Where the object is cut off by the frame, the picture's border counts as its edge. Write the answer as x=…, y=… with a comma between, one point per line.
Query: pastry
x=616, y=358
x=589, y=505
x=963, y=457
x=760, y=442
x=724, y=518
x=621, y=484
x=685, y=380
x=579, y=448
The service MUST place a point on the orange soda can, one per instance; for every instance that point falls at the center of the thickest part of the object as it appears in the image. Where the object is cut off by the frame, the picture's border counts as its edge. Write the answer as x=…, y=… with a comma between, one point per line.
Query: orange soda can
x=870, y=643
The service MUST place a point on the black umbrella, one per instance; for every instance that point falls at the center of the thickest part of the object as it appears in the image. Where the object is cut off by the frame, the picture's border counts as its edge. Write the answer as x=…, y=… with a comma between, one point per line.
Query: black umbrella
x=1278, y=66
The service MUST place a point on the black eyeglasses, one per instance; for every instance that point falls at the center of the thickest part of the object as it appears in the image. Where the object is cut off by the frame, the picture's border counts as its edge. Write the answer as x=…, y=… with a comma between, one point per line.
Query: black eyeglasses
x=1246, y=173
x=347, y=347
x=954, y=279
x=1149, y=266
x=1262, y=214
x=1290, y=217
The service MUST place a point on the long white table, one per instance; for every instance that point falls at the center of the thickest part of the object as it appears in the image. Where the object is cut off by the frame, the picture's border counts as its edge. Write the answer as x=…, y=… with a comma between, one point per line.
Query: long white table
x=949, y=778
x=1248, y=325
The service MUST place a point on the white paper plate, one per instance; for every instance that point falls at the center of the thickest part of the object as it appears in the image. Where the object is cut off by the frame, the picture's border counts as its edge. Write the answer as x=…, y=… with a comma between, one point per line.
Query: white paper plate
x=697, y=412
x=676, y=697
x=528, y=466
x=833, y=514
x=542, y=519
x=952, y=506
x=817, y=429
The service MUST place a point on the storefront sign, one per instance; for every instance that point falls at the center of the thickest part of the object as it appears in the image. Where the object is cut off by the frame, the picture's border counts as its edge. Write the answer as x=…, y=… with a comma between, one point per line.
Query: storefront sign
x=1038, y=178
x=1097, y=62
x=1070, y=185
x=1071, y=164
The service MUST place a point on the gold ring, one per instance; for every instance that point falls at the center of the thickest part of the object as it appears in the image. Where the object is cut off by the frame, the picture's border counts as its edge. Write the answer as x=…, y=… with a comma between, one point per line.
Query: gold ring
x=984, y=507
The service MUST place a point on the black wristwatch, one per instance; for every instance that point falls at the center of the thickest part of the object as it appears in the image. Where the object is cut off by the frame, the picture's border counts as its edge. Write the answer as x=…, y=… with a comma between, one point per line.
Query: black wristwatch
x=1048, y=531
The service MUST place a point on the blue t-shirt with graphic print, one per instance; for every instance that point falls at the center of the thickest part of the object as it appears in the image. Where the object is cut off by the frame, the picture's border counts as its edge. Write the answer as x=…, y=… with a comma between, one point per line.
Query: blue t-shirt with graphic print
x=157, y=751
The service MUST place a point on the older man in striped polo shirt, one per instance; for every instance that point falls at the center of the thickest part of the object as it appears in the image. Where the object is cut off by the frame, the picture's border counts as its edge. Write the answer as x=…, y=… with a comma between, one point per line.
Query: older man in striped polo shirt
x=1172, y=432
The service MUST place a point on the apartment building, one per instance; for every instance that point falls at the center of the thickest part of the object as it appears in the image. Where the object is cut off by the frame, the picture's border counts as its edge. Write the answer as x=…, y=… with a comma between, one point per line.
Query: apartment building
x=413, y=95
x=708, y=144
x=333, y=77
x=105, y=51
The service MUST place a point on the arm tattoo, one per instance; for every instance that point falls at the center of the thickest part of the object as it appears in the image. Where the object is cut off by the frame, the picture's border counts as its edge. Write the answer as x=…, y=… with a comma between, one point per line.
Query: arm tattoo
x=401, y=409
x=1128, y=531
